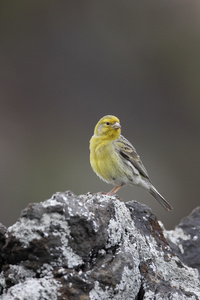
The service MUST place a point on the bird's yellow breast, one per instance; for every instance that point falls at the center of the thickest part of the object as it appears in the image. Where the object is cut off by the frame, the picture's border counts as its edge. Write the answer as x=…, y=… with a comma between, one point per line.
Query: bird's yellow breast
x=103, y=159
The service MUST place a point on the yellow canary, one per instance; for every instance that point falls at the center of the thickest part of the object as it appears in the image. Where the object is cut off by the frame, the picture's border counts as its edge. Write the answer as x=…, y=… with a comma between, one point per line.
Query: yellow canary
x=115, y=160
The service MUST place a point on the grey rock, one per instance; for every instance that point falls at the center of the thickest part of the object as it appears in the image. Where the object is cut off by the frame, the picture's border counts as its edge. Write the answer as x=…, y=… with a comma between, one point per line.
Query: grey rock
x=185, y=239
x=2, y=241
x=96, y=247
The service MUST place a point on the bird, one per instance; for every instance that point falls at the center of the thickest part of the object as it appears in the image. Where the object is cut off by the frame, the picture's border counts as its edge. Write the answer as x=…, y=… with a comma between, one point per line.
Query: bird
x=114, y=159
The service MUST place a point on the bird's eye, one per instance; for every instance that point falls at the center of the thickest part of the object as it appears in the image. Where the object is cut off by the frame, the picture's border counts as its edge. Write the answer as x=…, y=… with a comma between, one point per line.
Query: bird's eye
x=107, y=123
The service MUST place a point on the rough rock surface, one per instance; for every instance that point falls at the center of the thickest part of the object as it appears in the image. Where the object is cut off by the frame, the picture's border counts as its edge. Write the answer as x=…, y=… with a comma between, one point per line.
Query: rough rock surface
x=97, y=247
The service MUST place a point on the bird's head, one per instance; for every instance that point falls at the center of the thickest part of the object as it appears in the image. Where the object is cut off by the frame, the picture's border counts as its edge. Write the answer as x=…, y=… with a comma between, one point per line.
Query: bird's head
x=108, y=127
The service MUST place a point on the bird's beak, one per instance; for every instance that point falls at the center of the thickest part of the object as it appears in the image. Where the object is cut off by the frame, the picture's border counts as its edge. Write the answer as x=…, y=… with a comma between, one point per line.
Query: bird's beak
x=116, y=125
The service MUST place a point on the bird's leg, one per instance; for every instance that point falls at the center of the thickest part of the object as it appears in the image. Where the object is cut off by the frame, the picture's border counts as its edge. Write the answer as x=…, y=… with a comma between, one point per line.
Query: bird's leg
x=115, y=190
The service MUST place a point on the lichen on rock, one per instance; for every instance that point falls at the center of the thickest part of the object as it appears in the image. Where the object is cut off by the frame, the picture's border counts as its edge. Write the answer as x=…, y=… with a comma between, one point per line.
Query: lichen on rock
x=95, y=247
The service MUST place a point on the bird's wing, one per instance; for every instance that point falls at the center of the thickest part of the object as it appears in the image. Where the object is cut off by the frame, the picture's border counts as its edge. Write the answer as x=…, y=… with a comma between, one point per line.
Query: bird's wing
x=127, y=151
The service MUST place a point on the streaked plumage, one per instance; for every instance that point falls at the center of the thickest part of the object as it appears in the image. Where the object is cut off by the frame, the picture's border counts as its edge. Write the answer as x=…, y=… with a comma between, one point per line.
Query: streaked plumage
x=116, y=161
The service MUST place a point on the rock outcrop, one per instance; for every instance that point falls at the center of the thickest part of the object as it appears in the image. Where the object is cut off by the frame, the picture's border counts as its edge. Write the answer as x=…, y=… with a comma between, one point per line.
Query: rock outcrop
x=97, y=247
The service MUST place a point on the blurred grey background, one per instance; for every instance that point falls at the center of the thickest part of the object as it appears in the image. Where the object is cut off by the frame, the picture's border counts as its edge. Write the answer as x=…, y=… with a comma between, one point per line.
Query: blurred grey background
x=65, y=64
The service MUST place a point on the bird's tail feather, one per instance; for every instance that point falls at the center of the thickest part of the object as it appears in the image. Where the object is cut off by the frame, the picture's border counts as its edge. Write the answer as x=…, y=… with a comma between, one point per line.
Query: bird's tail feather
x=159, y=198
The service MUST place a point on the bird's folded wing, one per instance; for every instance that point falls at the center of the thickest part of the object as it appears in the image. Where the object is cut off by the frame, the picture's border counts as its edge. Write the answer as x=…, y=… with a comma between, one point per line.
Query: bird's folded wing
x=127, y=151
